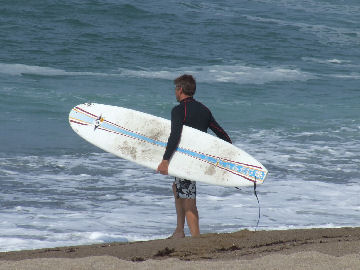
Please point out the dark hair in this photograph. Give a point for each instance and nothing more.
(187, 83)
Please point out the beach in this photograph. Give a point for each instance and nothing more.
(329, 248)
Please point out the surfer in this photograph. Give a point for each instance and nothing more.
(194, 114)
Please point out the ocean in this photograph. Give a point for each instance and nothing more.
(281, 77)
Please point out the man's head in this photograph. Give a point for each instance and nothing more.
(186, 83)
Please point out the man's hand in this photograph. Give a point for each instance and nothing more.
(163, 167)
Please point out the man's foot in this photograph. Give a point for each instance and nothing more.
(177, 235)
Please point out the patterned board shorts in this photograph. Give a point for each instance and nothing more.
(185, 189)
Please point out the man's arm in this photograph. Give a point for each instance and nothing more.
(175, 134)
(173, 141)
(218, 130)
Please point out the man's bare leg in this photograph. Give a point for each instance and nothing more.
(185, 208)
(192, 215)
(180, 214)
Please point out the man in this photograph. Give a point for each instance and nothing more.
(193, 114)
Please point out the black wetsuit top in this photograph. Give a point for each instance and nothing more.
(193, 114)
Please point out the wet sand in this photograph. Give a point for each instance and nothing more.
(288, 249)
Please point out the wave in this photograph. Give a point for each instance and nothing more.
(353, 76)
(325, 33)
(318, 7)
(21, 69)
(239, 74)
(327, 61)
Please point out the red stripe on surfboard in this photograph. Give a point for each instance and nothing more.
(251, 180)
(114, 124)
(245, 164)
(76, 122)
(93, 115)
(225, 159)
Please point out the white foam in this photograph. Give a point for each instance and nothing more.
(324, 32)
(20, 69)
(100, 198)
(353, 76)
(105, 237)
(336, 61)
(327, 61)
(236, 73)
(337, 8)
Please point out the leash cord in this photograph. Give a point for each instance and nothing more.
(257, 198)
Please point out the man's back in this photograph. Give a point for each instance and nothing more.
(193, 114)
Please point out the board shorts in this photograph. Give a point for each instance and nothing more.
(185, 189)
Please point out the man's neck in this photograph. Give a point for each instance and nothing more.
(182, 97)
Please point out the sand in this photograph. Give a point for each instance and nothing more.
(289, 249)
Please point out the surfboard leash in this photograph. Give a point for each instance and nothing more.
(257, 198)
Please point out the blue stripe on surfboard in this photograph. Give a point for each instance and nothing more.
(91, 120)
(236, 168)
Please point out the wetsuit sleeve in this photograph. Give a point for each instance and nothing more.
(175, 134)
(218, 130)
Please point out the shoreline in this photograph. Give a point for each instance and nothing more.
(246, 246)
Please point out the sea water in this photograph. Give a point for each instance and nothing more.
(281, 77)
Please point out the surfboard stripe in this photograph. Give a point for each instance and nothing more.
(80, 109)
(235, 162)
(247, 171)
(216, 165)
(77, 122)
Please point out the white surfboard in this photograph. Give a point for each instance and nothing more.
(142, 138)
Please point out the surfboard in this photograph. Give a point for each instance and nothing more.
(142, 138)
